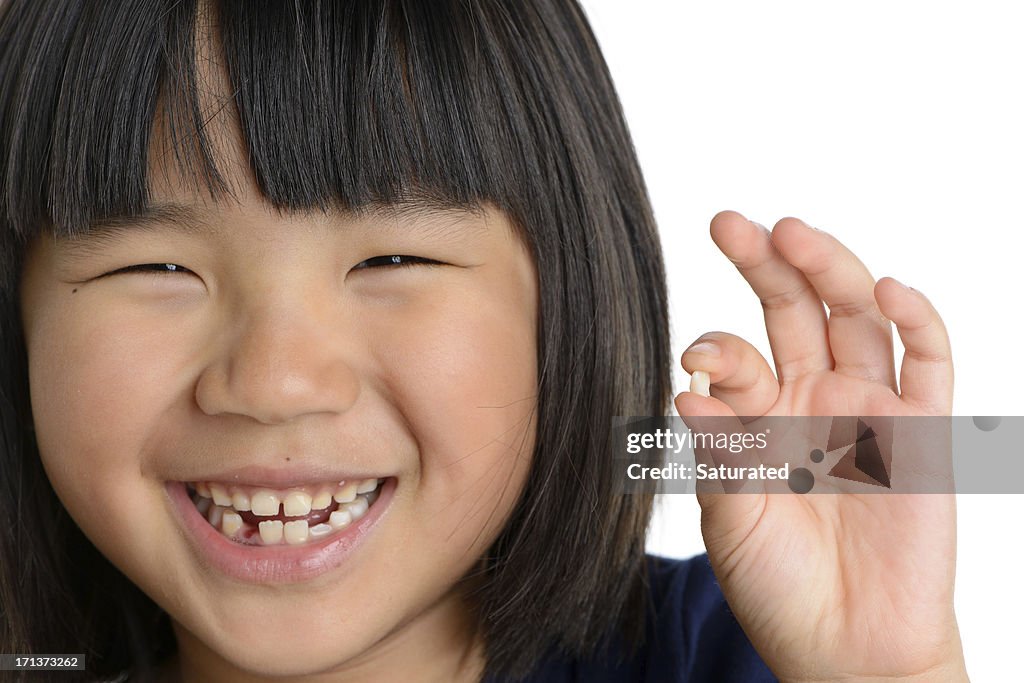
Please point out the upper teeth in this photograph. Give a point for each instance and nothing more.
(240, 501)
(346, 493)
(220, 495)
(322, 500)
(366, 486)
(297, 503)
(265, 503)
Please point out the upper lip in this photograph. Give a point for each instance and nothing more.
(276, 477)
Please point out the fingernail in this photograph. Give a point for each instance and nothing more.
(705, 347)
(700, 383)
(763, 229)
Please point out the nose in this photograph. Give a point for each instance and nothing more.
(279, 362)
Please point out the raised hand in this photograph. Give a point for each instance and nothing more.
(849, 586)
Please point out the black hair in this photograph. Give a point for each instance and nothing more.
(342, 105)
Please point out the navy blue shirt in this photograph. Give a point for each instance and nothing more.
(692, 636)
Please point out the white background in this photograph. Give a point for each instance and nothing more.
(896, 126)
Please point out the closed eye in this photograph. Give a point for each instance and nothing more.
(389, 261)
(157, 268)
(394, 260)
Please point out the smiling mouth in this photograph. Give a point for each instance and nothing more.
(267, 517)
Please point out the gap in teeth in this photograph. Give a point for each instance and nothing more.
(333, 508)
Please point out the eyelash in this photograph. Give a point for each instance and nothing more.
(151, 268)
(392, 261)
(403, 261)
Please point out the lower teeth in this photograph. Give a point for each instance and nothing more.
(275, 531)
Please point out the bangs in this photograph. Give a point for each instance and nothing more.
(338, 105)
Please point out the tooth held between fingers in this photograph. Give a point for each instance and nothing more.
(700, 383)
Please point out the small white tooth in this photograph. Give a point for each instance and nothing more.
(366, 485)
(265, 503)
(357, 508)
(296, 532)
(214, 515)
(202, 489)
(346, 493)
(231, 523)
(700, 383)
(271, 531)
(204, 506)
(240, 501)
(322, 500)
(320, 530)
(220, 495)
(340, 519)
(297, 504)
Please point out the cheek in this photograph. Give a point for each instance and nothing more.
(94, 395)
(465, 376)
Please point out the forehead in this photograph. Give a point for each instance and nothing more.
(189, 195)
(196, 141)
(179, 200)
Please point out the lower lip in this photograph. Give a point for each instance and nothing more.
(280, 563)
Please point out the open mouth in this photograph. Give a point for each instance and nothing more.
(293, 516)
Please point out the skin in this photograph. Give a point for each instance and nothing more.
(273, 349)
(831, 587)
(267, 344)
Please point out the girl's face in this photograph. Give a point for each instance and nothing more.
(281, 361)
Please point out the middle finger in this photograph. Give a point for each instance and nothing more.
(860, 337)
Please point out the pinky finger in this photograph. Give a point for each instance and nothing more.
(926, 375)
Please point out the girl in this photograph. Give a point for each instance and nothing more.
(316, 316)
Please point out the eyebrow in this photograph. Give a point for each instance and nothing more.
(429, 218)
(181, 217)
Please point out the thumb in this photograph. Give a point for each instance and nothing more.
(729, 508)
